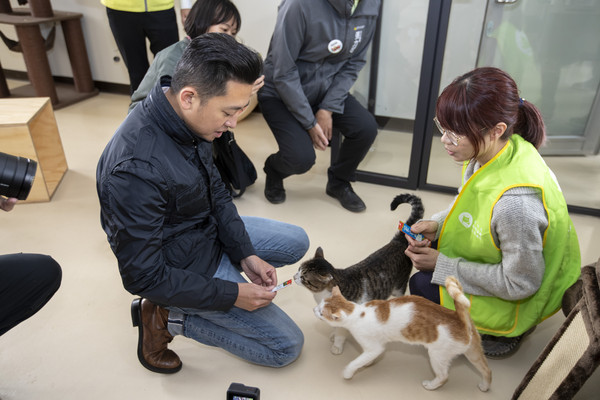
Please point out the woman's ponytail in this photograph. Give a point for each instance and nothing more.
(530, 124)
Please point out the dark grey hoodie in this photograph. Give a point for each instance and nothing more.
(317, 49)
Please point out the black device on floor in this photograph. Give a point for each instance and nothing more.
(237, 391)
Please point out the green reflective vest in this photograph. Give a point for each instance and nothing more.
(466, 233)
(138, 5)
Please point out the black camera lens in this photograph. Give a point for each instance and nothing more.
(16, 176)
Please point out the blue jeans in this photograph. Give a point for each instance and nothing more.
(266, 336)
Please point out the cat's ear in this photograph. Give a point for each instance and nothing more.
(319, 253)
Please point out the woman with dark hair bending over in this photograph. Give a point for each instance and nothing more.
(508, 236)
(206, 16)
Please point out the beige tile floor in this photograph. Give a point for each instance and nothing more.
(82, 344)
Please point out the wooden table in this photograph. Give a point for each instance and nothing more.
(28, 129)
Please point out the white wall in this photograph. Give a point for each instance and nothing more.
(402, 43)
(258, 20)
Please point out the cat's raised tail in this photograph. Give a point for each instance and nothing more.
(461, 303)
(455, 290)
(416, 203)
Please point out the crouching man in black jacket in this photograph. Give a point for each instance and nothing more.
(171, 223)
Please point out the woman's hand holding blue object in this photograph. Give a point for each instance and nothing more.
(422, 255)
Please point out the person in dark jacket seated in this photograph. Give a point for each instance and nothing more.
(172, 225)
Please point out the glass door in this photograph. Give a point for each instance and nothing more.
(550, 47)
(552, 50)
(459, 55)
(397, 76)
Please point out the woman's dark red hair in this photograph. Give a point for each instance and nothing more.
(478, 100)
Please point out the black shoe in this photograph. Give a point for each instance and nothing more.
(346, 196)
(499, 347)
(274, 191)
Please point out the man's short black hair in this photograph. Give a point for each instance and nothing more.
(213, 59)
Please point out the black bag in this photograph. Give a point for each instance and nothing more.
(237, 171)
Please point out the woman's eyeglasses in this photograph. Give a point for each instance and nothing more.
(454, 138)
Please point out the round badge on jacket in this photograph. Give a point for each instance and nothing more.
(335, 46)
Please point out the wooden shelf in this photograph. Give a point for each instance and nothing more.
(36, 60)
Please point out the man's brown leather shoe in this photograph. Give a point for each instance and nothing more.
(154, 337)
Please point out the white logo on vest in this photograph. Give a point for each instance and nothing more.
(466, 219)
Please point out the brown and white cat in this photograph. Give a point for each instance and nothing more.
(382, 274)
(413, 320)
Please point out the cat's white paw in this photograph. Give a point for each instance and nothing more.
(432, 385)
(337, 344)
(484, 386)
(337, 350)
(348, 373)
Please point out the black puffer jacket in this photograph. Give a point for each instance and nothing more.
(165, 210)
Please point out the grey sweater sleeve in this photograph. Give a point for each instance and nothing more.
(518, 224)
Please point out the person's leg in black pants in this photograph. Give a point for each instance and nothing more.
(296, 154)
(130, 30)
(420, 284)
(27, 282)
(359, 128)
(161, 29)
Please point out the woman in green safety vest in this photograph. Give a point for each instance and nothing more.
(507, 236)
